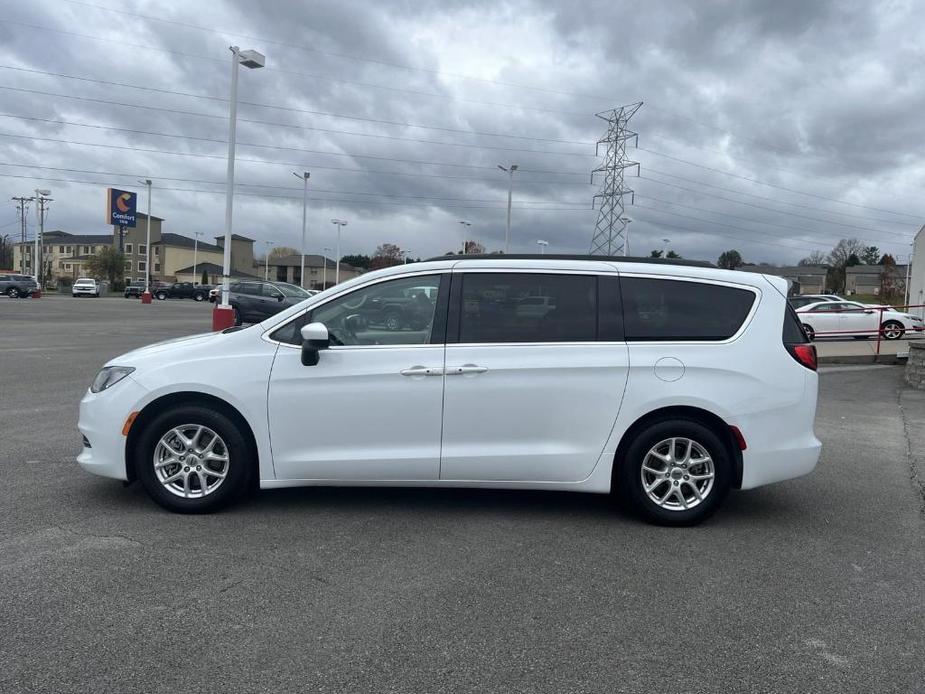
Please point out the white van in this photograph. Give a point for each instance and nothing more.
(667, 383)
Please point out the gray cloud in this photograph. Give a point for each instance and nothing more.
(821, 98)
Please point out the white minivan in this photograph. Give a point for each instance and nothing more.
(667, 383)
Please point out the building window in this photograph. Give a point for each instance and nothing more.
(157, 251)
(157, 267)
(67, 266)
(142, 249)
(128, 265)
(60, 249)
(86, 250)
(128, 248)
(141, 266)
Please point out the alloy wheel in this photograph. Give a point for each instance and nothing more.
(191, 461)
(892, 330)
(677, 474)
(12, 292)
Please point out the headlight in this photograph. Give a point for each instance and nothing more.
(109, 376)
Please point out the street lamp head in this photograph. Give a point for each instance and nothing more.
(304, 175)
(42, 191)
(513, 167)
(251, 59)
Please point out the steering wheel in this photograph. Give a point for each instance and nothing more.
(357, 303)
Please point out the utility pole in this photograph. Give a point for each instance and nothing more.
(324, 273)
(23, 206)
(266, 261)
(196, 235)
(146, 295)
(610, 231)
(466, 224)
(41, 197)
(510, 191)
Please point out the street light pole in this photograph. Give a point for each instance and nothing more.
(223, 316)
(510, 191)
(666, 242)
(324, 273)
(266, 261)
(626, 235)
(147, 299)
(542, 244)
(465, 224)
(340, 223)
(196, 235)
(304, 176)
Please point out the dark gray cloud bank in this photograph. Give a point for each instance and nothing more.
(819, 98)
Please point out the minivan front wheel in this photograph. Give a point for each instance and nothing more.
(193, 460)
(675, 472)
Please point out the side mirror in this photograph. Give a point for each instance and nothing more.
(278, 297)
(314, 339)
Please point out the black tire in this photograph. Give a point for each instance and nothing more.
(238, 318)
(198, 296)
(810, 333)
(895, 329)
(161, 296)
(241, 459)
(628, 475)
(392, 321)
(13, 293)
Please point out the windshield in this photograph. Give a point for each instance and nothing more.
(292, 290)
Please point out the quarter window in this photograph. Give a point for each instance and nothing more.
(395, 312)
(527, 307)
(657, 309)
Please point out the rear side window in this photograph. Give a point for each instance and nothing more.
(528, 307)
(793, 329)
(662, 309)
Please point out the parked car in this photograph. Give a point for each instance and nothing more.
(256, 300)
(17, 286)
(86, 286)
(849, 318)
(134, 289)
(657, 381)
(183, 290)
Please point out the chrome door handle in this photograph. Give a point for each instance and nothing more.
(465, 369)
(421, 371)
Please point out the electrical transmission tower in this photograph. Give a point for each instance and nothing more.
(23, 215)
(610, 231)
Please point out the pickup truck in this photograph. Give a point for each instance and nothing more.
(183, 290)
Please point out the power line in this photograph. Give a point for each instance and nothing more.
(324, 130)
(526, 205)
(711, 232)
(312, 49)
(120, 42)
(849, 215)
(773, 185)
(771, 209)
(287, 108)
(223, 157)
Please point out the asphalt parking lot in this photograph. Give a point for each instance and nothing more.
(813, 585)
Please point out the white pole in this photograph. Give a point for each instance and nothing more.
(196, 235)
(324, 273)
(229, 181)
(148, 241)
(304, 177)
(510, 192)
(38, 218)
(337, 257)
(266, 261)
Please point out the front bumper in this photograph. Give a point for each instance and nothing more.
(102, 416)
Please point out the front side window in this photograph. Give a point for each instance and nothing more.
(662, 309)
(395, 312)
(527, 307)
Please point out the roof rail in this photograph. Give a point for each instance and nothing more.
(567, 256)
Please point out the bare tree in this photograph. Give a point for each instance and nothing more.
(814, 258)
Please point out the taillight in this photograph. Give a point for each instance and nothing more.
(805, 354)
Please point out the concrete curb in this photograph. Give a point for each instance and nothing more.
(892, 359)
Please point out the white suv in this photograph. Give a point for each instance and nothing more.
(85, 286)
(669, 384)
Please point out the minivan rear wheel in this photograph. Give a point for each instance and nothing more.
(191, 459)
(810, 333)
(675, 472)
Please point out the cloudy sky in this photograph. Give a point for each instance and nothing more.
(774, 127)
